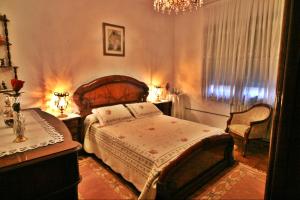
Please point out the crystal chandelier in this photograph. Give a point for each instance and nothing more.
(176, 5)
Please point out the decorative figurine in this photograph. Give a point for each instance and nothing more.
(8, 112)
(2, 63)
(4, 87)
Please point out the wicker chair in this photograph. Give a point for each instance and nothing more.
(250, 124)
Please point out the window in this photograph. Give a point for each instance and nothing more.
(241, 51)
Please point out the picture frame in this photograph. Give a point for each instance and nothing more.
(113, 40)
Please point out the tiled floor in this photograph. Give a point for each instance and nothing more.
(239, 182)
(257, 155)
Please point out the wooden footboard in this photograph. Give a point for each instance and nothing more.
(195, 167)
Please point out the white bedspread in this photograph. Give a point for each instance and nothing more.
(141, 148)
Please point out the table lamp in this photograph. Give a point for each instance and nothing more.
(61, 103)
(158, 92)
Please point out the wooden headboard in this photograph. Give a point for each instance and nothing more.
(109, 90)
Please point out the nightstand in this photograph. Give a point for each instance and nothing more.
(74, 123)
(164, 106)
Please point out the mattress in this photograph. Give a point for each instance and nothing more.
(139, 149)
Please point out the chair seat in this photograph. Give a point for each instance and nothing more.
(239, 129)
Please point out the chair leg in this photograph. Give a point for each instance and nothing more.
(245, 147)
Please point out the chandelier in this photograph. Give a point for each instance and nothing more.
(176, 5)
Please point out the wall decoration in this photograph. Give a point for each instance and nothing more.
(113, 40)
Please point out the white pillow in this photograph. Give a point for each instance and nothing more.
(109, 115)
(143, 109)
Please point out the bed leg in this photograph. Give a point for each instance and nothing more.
(229, 153)
(162, 193)
(245, 147)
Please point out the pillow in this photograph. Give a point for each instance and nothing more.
(143, 109)
(109, 115)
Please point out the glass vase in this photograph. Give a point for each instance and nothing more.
(19, 127)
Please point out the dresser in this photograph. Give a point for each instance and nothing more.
(49, 172)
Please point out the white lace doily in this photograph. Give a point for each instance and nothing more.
(38, 131)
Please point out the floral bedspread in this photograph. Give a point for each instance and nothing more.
(141, 148)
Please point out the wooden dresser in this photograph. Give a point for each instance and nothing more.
(49, 172)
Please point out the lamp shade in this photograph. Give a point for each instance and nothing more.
(61, 102)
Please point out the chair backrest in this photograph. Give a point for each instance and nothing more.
(259, 112)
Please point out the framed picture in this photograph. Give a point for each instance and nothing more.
(113, 40)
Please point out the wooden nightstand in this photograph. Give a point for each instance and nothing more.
(74, 124)
(164, 106)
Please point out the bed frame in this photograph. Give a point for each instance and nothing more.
(184, 175)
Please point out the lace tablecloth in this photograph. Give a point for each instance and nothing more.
(38, 131)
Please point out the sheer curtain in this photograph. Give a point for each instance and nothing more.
(241, 50)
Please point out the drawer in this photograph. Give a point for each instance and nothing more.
(74, 126)
(71, 123)
(76, 137)
(73, 129)
(164, 107)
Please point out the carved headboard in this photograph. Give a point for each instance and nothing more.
(109, 90)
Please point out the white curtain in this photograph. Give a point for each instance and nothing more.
(242, 50)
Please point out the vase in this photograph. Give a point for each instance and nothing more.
(19, 127)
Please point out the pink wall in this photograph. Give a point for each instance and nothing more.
(58, 43)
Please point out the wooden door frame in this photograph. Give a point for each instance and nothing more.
(283, 176)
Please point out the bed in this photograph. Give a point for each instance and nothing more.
(159, 168)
